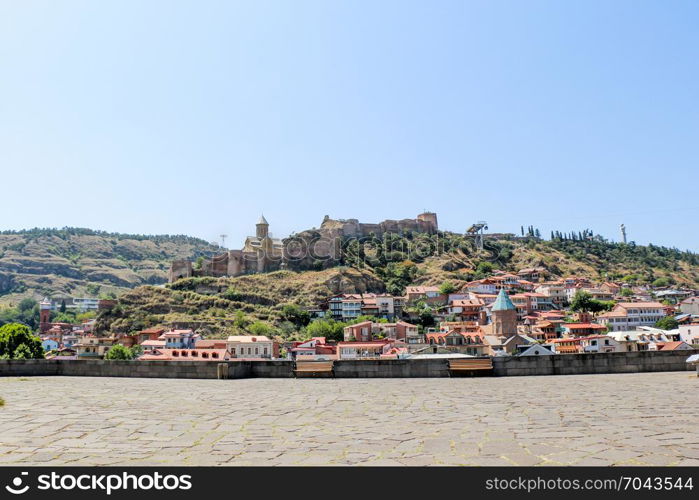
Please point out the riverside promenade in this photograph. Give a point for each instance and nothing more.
(608, 419)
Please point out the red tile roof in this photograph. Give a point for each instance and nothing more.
(584, 326)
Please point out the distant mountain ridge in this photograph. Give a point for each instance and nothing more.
(86, 262)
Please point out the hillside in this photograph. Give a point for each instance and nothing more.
(222, 305)
(255, 303)
(82, 262)
(400, 260)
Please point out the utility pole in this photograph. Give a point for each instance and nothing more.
(223, 240)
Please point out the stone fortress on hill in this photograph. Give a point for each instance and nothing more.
(424, 223)
(262, 253)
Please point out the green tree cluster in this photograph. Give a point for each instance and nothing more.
(667, 323)
(295, 314)
(119, 352)
(328, 328)
(26, 312)
(18, 342)
(584, 302)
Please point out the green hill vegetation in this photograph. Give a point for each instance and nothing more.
(264, 303)
(82, 262)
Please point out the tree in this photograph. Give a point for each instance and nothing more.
(26, 304)
(15, 335)
(363, 318)
(240, 321)
(328, 328)
(295, 314)
(64, 317)
(22, 352)
(426, 318)
(583, 302)
(26, 312)
(260, 328)
(62, 309)
(667, 323)
(119, 352)
(626, 292)
(447, 287)
(483, 269)
(199, 262)
(661, 282)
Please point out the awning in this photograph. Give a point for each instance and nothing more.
(693, 359)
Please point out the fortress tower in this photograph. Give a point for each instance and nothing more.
(504, 316)
(429, 217)
(262, 228)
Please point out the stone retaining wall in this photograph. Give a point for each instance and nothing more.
(575, 364)
(566, 364)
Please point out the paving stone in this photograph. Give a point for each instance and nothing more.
(572, 420)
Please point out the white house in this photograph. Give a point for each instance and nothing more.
(640, 340)
(482, 286)
(689, 334)
(537, 350)
(599, 343)
(250, 346)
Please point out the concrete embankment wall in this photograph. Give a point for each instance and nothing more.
(147, 369)
(568, 364)
(575, 364)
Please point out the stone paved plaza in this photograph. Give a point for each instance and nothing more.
(624, 419)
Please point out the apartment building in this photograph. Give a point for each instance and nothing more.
(347, 307)
(368, 331)
(555, 292)
(630, 315)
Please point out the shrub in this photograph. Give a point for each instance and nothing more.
(119, 352)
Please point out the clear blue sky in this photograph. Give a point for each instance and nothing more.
(192, 117)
